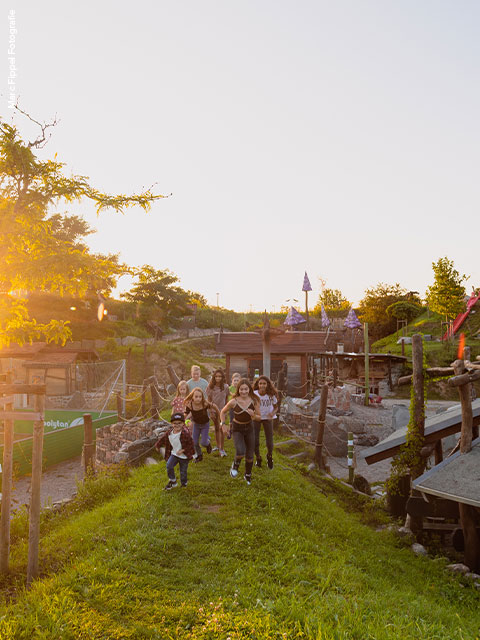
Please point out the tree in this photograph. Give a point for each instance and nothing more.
(332, 300)
(161, 302)
(404, 310)
(373, 307)
(447, 293)
(41, 249)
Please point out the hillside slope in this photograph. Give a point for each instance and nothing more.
(219, 559)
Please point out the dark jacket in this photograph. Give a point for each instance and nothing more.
(185, 440)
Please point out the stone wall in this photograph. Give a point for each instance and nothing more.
(127, 441)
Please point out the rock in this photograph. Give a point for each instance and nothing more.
(366, 440)
(405, 532)
(405, 340)
(361, 484)
(419, 549)
(472, 576)
(149, 461)
(121, 456)
(400, 416)
(459, 568)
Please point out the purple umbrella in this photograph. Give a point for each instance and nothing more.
(351, 321)
(293, 317)
(325, 318)
(306, 283)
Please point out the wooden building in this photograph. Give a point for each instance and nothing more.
(243, 352)
(52, 364)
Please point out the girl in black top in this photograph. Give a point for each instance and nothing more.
(246, 407)
(198, 409)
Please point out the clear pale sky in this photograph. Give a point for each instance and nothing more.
(338, 137)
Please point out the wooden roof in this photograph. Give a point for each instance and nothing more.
(436, 427)
(298, 342)
(43, 352)
(457, 478)
(44, 360)
(372, 356)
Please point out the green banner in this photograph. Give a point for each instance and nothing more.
(60, 419)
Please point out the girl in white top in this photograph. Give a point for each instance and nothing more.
(268, 397)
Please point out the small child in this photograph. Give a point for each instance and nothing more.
(178, 403)
(179, 449)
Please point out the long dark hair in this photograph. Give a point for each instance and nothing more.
(213, 382)
(250, 390)
(271, 391)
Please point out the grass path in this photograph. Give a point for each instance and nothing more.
(280, 559)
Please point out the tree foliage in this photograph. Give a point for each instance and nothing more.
(447, 294)
(40, 248)
(161, 302)
(373, 307)
(404, 310)
(332, 300)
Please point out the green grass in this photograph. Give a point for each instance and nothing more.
(288, 557)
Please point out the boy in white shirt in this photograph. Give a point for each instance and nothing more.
(179, 449)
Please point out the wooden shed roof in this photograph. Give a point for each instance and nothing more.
(298, 342)
(436, 427)
(43, 360)
(457, 478)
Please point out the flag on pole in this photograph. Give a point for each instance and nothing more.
(306, 283)
(351, 321)
(325, 318)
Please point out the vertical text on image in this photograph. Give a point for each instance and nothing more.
(12, 67)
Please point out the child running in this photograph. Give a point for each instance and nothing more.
(196, 380)
(178, 403)
(179, 449)
(267, 395)
(217, 393)
(246, 406)
(197, 408)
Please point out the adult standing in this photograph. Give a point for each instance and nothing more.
(217, 393)
(246, 407)
(196, 380)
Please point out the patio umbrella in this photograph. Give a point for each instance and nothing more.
(293, 318)
(325, 318)
(352, 322)
(306, 287)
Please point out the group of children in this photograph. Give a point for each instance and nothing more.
(197, 402)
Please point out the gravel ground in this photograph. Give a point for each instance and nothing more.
(379, 422)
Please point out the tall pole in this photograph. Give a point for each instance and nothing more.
(7, 471)
(306, 310)
(124, 388)
(367, 364)
(35, 504)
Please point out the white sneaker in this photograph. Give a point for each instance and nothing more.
(223, 453)
(215, 449)
(233, 471)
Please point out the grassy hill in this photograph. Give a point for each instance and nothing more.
(289, 557)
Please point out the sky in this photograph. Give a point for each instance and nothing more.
(340, 138)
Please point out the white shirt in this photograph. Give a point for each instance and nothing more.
(267, 405)
(176, 444)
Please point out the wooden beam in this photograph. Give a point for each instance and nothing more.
(464, 378)
(35, 504)
(29, 416)
(16, 389)
(7, 480)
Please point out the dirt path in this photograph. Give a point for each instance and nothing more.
(58, 482)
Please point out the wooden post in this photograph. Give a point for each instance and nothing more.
(351, 470)
(35, 504)
(7, 472)
(465, 393)
(155, 398)
(438, 451)
(470, 536)
(88, 444)
(144, 408)
(321, 427)
(335, 372)
(367, 364)
(266, 348)
(418, 396)
(307, 326)
(119, 405)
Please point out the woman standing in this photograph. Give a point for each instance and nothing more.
(246, 407)
(217, 393)
(197, 408)
(268, 397)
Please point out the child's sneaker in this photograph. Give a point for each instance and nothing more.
(248, 478)
(209, 448)
(184, 484)
(223, 453)
(198, 459)
(270, 462)
(233, 471)
(214, 449)
(171, 485)
(258, 462)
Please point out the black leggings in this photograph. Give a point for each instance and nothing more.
(244, 440)
(268, 428)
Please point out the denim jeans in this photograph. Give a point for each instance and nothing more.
(183, 462)
(244, 441)
(268, 428)
(200, 433)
